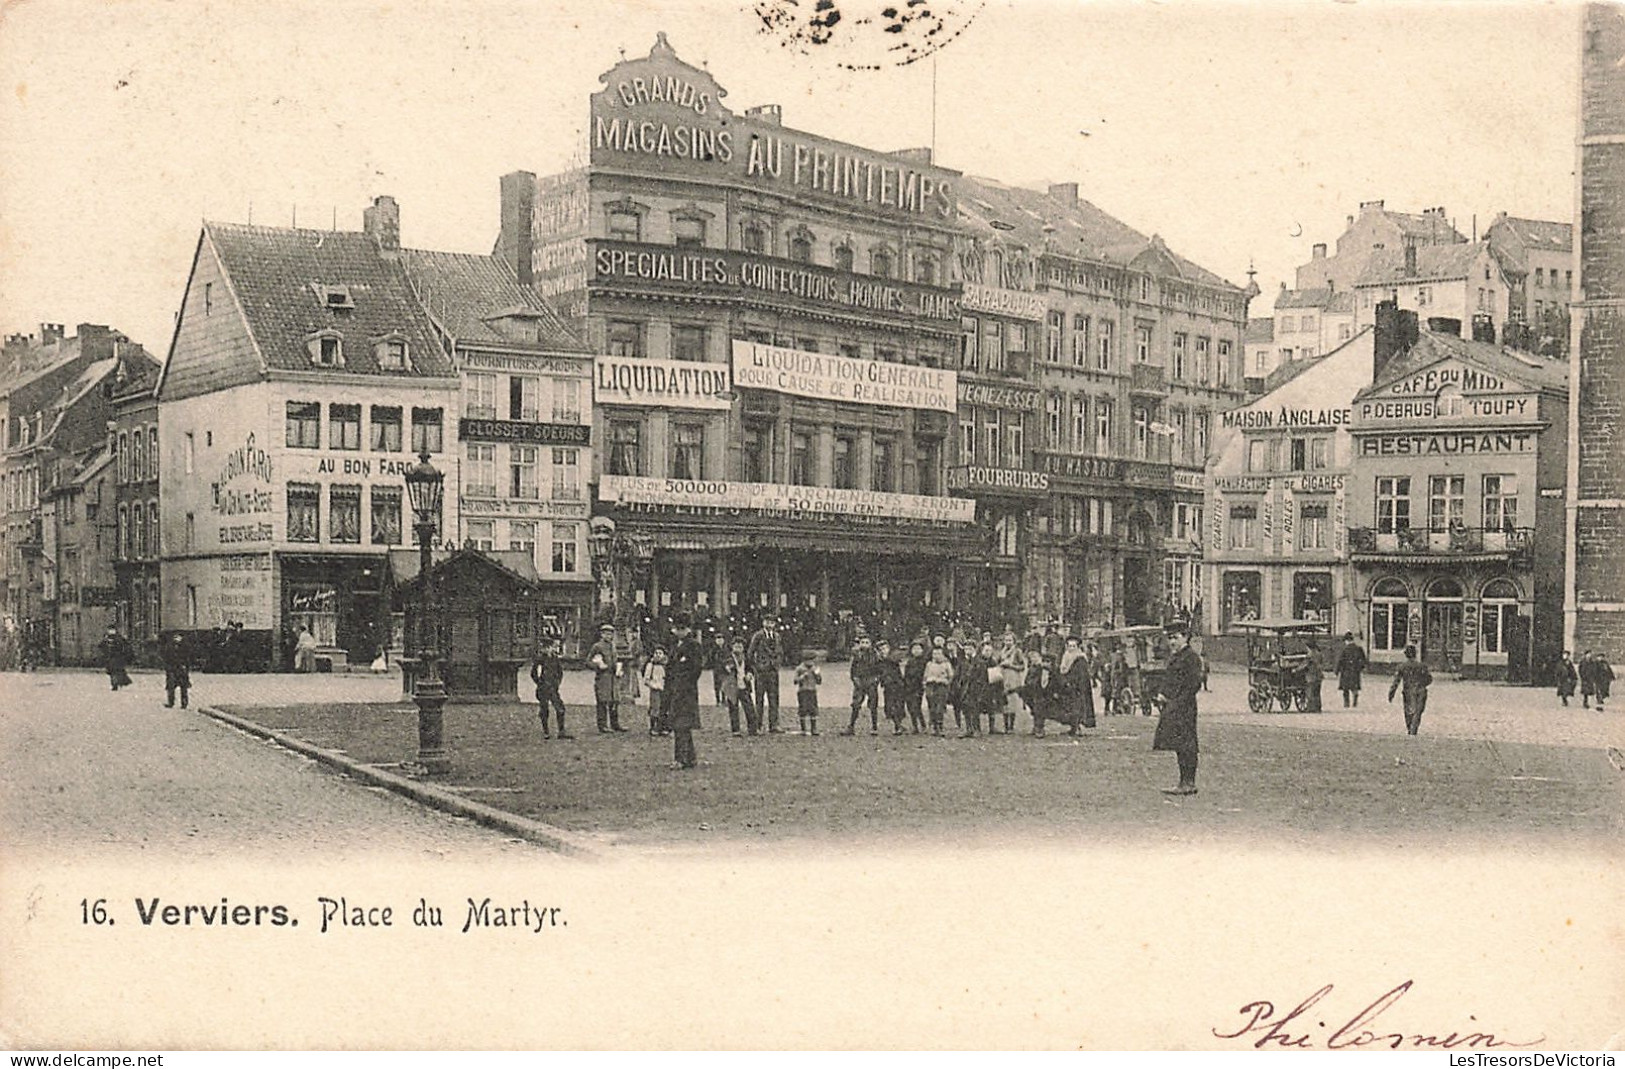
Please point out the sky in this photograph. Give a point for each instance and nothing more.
(1242, 132)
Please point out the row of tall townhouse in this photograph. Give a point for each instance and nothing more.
(844, 385)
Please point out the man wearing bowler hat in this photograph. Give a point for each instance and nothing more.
(683, 668)
(764, 655)
(1176, 730)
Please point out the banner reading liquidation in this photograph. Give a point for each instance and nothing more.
(842, 378)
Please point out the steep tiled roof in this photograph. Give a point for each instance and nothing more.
(478, 299)
(1310, 298)
(276, 272)
(1435, 228)
(1431, 347)
(1078, 229)
(1341, 303)
(1539, 233)
(1433, 263)
(1258, 330)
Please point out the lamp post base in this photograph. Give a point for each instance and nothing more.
(430, 698)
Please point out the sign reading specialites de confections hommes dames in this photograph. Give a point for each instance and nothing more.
(776, 498)
(631, 380)
(828, 377)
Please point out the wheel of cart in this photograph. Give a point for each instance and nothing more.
(1144, 651)
(1276, 655)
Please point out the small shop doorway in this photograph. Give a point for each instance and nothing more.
(1442, 625)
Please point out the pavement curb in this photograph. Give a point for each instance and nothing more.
(535, 831)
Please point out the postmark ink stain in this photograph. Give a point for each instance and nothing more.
(866, 36)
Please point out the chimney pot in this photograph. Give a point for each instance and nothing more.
(382, 222)
(771, 114)
(1318, 250)
(1065, 192)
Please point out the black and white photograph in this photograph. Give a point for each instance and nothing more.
(812, 525)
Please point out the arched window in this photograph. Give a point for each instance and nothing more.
(1444, 589)
(880, 263)
(1499, 618)
(1390, 614)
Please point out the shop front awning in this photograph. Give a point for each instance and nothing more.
(1430, 559)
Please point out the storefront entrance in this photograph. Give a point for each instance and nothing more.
(1442, 638)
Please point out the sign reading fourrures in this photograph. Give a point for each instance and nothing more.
(840, 378)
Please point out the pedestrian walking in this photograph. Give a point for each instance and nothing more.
(914, 686)
(654, 681)
(718, 659)
(1415, 678)
(114, 649)
(1602, 678)
(177, 670)
(1313, 674)
(765, 654)
(605, 667)
(304, 651)
(682, 696)
(1588, 679)
(1351, 664)
(1080, 691)
(937, 679)
(865, 673)
(1176, 728)
(1567, 678)
(547, 672)
(807, 678)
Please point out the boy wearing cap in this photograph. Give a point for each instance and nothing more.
(547, 672)
(605, 668)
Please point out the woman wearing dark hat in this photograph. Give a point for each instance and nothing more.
(1176, 729)
(1350, 664)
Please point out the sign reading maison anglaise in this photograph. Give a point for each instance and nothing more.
(841, 378)
(659, 113)
(778, 499)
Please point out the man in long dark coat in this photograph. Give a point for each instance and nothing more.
(1415, 678)
(177, 670)
(765, 653)
(115, 651)
(1350, 665)
(1176, 730)
(683, 667)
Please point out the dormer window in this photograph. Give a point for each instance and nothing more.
(753, 237)
(390, 352)
(842, 255)
(335, 297)
(326, 349)
(801, 245)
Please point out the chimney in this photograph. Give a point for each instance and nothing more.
(1444, 325)
(51, 333)
(1371, 205)
(1484, 329)
(1065, 192)
(771, 114)
(1395, 333)
(913, 155)
(1410, 257)
(1350, 220)
(382, 222)
(1317, 251)
(517, 241)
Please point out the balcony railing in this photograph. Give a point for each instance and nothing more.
(1148, 379)
(1442, 541)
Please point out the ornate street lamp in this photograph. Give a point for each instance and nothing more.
(424, 485)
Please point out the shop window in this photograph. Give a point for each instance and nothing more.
(625, 447)
(426, 430)
(304, 425)
(566, 474)
(687, 342)
(687, 451)
(344, 513)
(386, 429)
(1312, 595)
(1243, 596)
(386, 515)
(522, 464)
(344, 426)
(1393, 503)
(1390, 615)
(564, 548)
(304, 512)
(1499, 616)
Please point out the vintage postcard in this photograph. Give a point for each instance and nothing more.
(812, 524)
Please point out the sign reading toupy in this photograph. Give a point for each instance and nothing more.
(629, 380)
(841, 378)
(775, 498)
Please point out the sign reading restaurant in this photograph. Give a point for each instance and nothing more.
(779, 499)
(1415, 445)
(842, 378)
(630, 380)
(735, 273)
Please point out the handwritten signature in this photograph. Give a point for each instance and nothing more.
(1361, 1030)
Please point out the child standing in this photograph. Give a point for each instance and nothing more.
(807, 679)
(891, 686)
(938, 677)
(654, 679)
(736, 680)
(914, 685)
